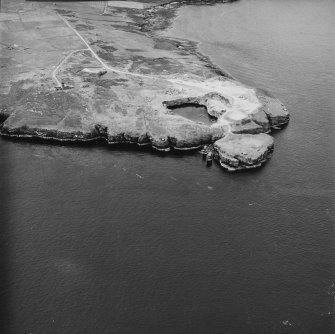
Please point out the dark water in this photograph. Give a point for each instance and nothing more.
(194, 113)
(101, 240)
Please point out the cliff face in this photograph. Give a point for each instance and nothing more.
(236, 151)
(121, 85)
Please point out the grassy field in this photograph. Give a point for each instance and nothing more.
(51, 57)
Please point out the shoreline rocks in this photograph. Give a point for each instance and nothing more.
(133, 105)
(237, 151)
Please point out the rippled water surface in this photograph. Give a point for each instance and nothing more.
(108, 240)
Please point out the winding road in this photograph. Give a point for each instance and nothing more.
(109, 68)
(54, 72)
(202, 85)
(104, 65)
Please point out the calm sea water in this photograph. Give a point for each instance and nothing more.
(108, 240)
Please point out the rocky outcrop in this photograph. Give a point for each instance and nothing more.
(275, 111)
(237, 151)
(125, 86)
(271, 114)
(249, 127)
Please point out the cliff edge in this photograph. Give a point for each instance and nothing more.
(80, 72)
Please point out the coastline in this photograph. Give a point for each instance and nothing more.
(152, 125)
(124, 238)
(155, 22)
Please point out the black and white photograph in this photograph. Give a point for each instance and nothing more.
(167, 167)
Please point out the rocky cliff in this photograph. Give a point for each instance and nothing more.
(123, 84)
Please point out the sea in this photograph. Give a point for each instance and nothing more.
(119, 239)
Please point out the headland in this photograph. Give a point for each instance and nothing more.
(100, 70)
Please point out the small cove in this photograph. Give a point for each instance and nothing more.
(193, 112)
